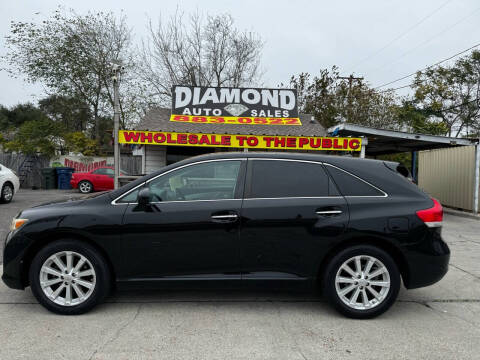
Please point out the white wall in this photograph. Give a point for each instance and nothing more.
(155, 158)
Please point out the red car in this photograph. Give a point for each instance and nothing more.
(96, 180)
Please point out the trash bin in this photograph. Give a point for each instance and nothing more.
(64, 174)
(49, 178)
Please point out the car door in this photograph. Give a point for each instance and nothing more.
(292, 213)
(100, 179)
(190, 229)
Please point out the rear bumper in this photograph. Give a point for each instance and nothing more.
(427, 261)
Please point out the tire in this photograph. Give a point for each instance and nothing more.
(337, 280)
(56, 300)
(85, 186)
(7, 193)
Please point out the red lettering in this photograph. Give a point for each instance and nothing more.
(131, 136)
(315, 143)
(204, 140)
(291, 142)
(170, 140)
(302, 141)
(336, 145)
(252, 141)
(192, 139)
(182, 138)
(268, 141)
(215, 141)
(146, 136)
(327, 143)
(354, 144)
(241, 139)
(159, 138)
(279, 142)
(225, 140)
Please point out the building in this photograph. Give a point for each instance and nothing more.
(158, 119)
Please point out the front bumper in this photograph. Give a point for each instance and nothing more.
(13, 255)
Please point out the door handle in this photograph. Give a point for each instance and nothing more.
(224, 218)
(328, 212)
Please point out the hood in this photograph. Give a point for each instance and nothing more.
(72, 200)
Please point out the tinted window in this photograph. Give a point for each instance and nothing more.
(206, 181)
(103, 171)
(350, 185)
(275, 178)
(130, 198)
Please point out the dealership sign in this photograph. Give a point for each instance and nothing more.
(239, 141)
(234, 105)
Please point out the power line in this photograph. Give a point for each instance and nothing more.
(401, 35)
(430, 39)
(428, 67)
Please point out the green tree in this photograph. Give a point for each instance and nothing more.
(37, 136)
(72, 55)
(71, 112)
(451, 95)
(331, 100)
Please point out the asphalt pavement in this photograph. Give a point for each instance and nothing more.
(437, 322)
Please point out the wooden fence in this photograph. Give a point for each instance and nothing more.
(28, 167)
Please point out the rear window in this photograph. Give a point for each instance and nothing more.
(351, 185)
(277, 178)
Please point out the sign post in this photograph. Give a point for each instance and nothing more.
(116, 125)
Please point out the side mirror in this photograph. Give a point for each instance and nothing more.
(144, 196)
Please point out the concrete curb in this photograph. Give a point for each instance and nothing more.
(460, 213)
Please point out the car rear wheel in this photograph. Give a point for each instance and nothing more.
(69, 277)
(85, 186)
(362, 281)
(7, 193)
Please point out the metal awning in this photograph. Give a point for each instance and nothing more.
(382, 142)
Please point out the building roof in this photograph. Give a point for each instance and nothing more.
(382, 141)
(158, 119)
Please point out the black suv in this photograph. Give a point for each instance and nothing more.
(353, 227)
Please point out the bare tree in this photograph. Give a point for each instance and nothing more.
(207, 52)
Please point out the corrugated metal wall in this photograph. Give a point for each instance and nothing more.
(448, 175)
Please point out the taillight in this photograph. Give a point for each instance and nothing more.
(433, 216)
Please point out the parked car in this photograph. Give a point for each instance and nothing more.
(9, 184)
(353, 227)
(99, 179)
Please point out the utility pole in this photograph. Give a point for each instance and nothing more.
(116, 68)
(350, 79)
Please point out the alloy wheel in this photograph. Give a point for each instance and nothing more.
(7, 193)
(85, 187)
(67, 278)
(362, 282)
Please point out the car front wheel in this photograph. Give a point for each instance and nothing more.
(7, 193)
(69, 277)
(362, 281)
(85, 187)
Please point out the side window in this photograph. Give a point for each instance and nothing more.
(213, 180)
(130, 198)
(100, 171)
(277, 178)
(109, 171)
(352, 186)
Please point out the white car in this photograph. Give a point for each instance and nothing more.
(9, 184)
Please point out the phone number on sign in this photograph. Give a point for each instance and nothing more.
(235, 120)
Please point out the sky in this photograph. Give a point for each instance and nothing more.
(376, 39)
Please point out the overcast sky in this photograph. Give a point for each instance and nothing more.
(300, 36)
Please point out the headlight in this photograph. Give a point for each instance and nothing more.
(17, 224)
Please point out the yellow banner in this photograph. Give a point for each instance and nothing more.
(239, 141)
(234, 120)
